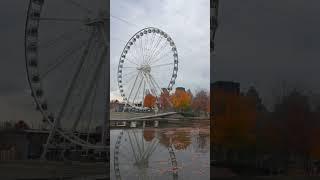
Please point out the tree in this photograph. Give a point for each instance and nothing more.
(181, 100)
(164, 99)
(149, 100)
(21, 125)
(293, 115)
(234, 122)
(201, 102)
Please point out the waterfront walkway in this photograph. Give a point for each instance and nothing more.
(36, 169)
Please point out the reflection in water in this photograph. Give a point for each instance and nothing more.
(163, 153)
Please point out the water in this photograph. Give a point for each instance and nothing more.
(177, 151)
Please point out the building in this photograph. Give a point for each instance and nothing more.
(180, 89)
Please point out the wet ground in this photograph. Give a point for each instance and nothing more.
(177, 151)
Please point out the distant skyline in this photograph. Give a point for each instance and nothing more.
(187, 22)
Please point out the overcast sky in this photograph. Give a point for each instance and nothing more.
(265, 43)
(186, 21)
(258, 43)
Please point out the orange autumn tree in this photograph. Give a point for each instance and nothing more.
(149, 101)
(315, 134)
(234, 117)
(181, 100)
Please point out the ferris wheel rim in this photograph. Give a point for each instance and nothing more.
(125, 50)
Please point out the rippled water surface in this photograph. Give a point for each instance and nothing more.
(179, 151)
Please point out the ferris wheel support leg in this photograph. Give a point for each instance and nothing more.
(66, 100)
(105, 32)
(168, 100)
(89, 91)
(134, 85)
(146, 80)
(155, 84)
(137, 90)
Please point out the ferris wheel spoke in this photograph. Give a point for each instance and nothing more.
(124, 147)
(154, 49)
(143, 94)
(131, 61)
(152, 79)
(133, 85)
(156, 59)
(91, 113)
(129, 73)
(134, 56)
(161, 43)
(148, 84)
(89, 89)
(149, 149)
(151, 47)
(64, 36)
(129, 159)
(133, 149)
(164, 59)
(141, 50)
(58, 19)
(129, 80)
(155, 146)
(151, 89)
(75, 77)
(138, 51)
(129, 67)
(146, 46)
(142, 140)
(152, 150)
(153, 85)
(138, 145)
(89, 11)
(159, 65)
(152, 41)
(157, 53)
(62, 59)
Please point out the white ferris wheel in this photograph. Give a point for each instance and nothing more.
(148, 65)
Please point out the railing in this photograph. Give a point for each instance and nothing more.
(7, 154)
(5, 125)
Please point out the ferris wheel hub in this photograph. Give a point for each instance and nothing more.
(144, 68)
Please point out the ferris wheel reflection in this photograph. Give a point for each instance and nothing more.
(141, 154)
